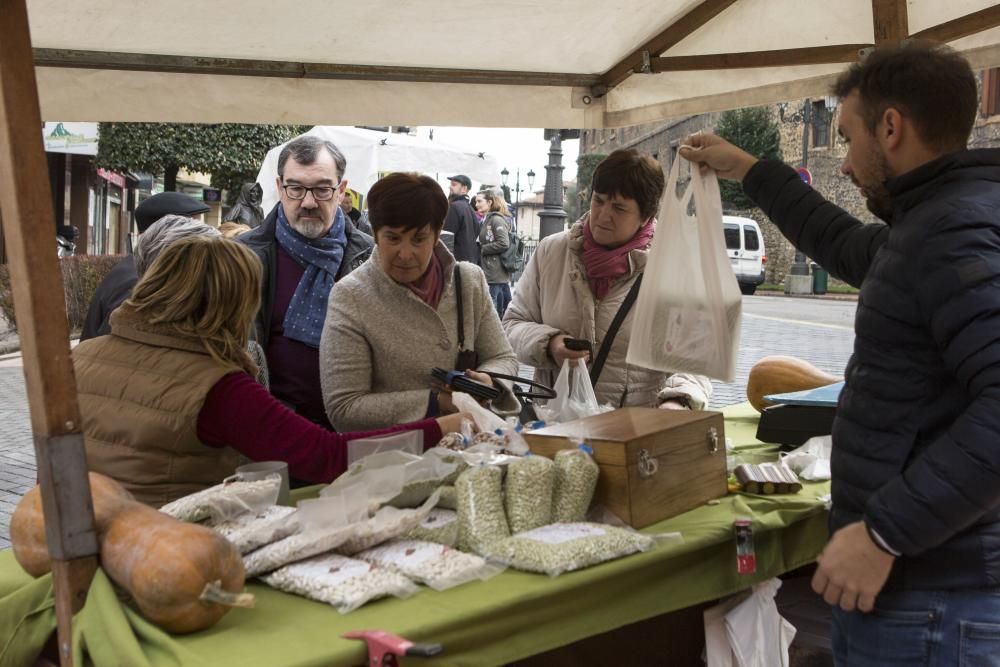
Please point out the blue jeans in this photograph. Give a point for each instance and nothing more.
(953, 628)
(500, 293)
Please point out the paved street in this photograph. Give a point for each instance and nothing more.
(816, 330)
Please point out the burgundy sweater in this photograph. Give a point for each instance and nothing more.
(239, 413)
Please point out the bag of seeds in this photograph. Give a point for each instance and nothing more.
(388, 522)
(440, 526)
(343, 582)
(528, 493)
(481, 517)
(564, 547)
(226, 500)
(435, 565)
(253, 530)
(575, 480)
(325, 524)
(448, 500)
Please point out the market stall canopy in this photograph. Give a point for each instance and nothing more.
(370, 153)
(504, 63)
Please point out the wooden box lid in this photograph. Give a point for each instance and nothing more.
(617, 435)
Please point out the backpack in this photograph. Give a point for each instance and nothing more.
(512, 259)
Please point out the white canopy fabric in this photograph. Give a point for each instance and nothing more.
(370, 153)
(574, 41)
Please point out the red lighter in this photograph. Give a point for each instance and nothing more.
(746, 559)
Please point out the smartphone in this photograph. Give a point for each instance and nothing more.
(577, 344)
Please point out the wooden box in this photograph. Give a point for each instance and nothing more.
(655, 464)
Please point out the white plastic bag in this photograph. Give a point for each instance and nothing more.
(748, 631)
(811, 460)
(687, 315)
(575, 396)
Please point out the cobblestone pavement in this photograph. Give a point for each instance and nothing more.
(826, 346)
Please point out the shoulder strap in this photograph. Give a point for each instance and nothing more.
(461, 313)
(616, 324)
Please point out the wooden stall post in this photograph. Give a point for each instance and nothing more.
(26, 202)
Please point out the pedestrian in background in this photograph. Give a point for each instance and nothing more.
(494, 240)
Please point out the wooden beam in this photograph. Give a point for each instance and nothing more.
(963, 26)
(890, 22)
(26, 201)
(151, 62)
(674, 33)
(816, 55)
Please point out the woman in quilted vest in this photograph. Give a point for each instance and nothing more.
(169, 398)
(577, 280)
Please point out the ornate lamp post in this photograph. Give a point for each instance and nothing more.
(553, 217)
(516, 198)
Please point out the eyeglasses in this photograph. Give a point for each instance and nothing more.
(319, 192)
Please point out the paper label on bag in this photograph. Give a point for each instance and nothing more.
(410, 552)
(439, 518)
(331, 570)
(558, 533)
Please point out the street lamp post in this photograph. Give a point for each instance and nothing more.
(516, 198)
(553, 216)
(797, 281)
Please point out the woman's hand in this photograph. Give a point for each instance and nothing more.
(453, 423)
(481, 378)
(560, 353)
(674, 404)
(445, 406)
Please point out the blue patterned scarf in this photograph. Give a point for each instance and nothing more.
(321, 260)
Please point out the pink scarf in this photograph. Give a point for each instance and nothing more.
(428, 286)
(605, 265)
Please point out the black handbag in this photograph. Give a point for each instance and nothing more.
(466, 358)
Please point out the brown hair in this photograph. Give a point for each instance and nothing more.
(930, 84)
(497, 202)
(407, 201)
(230, 229)
(207, 289)
(633, 175)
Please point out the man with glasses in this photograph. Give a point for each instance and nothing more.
(306, 244)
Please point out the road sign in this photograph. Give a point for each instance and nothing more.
(805, 175)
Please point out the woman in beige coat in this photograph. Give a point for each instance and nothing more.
(396, 317)
(576, 281)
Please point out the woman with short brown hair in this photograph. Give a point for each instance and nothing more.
(403, 313)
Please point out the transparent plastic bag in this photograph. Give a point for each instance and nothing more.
(434, 565)
(345, 583)
(252, 530)
(388, 522)
(226, 500)
(528, 493)
(564, 547)
(689, 306)
(575, 397)
(440, 526)
(481, 517)
(406, 441)
(576, 476)
(325, 524)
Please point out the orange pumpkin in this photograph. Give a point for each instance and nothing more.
(779, 374)
(27, 525)
(183, 577)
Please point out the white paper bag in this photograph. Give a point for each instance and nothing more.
(687, 315)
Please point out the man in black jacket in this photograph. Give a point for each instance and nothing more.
(118, 283)
(306, 244)
(916, 441)
(461, 229)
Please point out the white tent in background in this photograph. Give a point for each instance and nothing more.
(370, 153)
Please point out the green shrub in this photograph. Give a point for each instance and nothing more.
(6, 297)
(81, 274)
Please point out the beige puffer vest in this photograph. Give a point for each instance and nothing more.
(141, 390)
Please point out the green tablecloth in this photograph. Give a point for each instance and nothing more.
(512, 616)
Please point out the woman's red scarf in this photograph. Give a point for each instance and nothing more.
(605, 265)
(428, 286)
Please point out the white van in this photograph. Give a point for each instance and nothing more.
(745, 247)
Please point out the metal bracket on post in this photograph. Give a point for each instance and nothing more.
(647, 67)
(69, 526)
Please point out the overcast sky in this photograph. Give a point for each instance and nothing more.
(513, 148)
